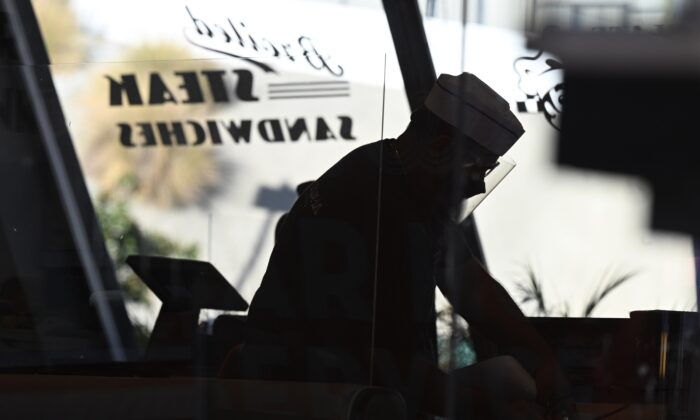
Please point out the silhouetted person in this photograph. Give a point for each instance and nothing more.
(349, 291)
(300, 190)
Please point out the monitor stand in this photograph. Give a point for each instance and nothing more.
(185, 287)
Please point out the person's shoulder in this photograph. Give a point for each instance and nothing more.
(368, 151)
(366, 156)
(351, 178)
(359, 158)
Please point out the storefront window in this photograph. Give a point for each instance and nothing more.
(328, 209)
(200, 127)
(580, 244)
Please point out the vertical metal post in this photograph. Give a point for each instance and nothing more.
(418, 71)
(412, 49)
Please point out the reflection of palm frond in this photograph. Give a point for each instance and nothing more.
(600, 294)
(164, 176)
(532, 291)
(61, 30)
(455, 346)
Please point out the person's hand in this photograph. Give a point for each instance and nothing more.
(496, 408)
(520, 410)
(476, 403)
(553, 392)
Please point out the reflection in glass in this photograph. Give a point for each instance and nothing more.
(494, 176)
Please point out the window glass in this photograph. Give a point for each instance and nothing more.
(195, 124)
(574, 248)
(576, 233)
(267, 209)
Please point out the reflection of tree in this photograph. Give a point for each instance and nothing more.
(531, 292)
(60, 30)
(165, 176)
(455, 339)
(454, 342)
(124, 237)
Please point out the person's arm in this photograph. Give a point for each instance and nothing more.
(486, 305)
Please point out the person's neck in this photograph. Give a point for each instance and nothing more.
(410, 147)
(406, 144)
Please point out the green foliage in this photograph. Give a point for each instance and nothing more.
(462, 352)
(454, 345)
(124, 237)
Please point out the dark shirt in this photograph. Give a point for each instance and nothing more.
(350, 272)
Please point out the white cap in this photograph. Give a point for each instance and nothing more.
(476, 110)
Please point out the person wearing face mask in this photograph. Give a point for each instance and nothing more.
(349, 291)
